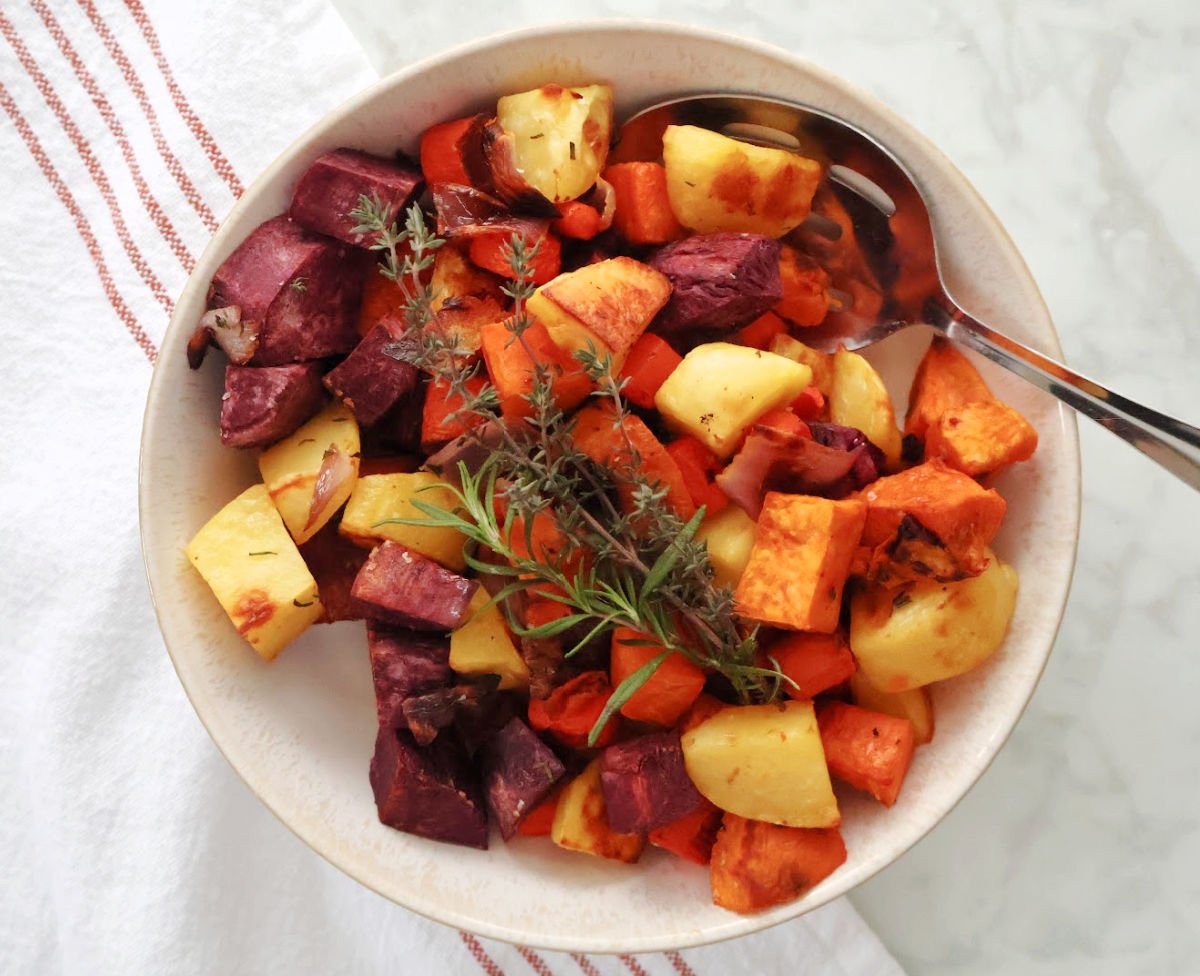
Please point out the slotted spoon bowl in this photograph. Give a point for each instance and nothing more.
(893, 232)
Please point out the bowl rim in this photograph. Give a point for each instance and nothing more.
(739, 924)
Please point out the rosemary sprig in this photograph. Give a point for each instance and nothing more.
(633, 563)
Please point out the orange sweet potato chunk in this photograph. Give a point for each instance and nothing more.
(801, 557)
(756, 865)
(598, 436)
(805, 288)
(962, 516)
(869, 750)
(945, 379)
(981, 437)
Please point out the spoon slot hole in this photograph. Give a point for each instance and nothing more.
(866, 188)
(761, 135)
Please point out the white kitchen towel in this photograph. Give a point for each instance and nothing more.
(127, 843)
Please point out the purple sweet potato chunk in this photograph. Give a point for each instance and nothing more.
(428, 791)
(718, 281)
(518, 771)
(404, 664)
(334, 562)
(330, 189)
(297, 291)
(263, 404)
(404, 588)
(646, 784)
(428, 713)
(369, 380)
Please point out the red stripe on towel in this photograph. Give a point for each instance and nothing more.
(680, 964)
(203, 136)
(81, 223)
(476, 948)
(536, 962)
(174, 166)
(90, 161)
(153, 208)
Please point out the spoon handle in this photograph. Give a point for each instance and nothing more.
(1172, 443)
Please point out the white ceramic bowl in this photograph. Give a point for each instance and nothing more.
(300, 731)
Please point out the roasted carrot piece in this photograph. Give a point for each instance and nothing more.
(869, 750)
(437, 423)
(598, 436)
(577, 220)
(383, 302)
(644, 214)
(810, 404)
(703, 708)
(805, 299)
(670, 691)
(691, 836)
(784, 420)
(945, 378)
(650, 361)
(699, 466)
(816, 662)
(510, 363)
(761, 331)
(492, 251)
(537, 822)
(756, 865)
(442, 152)
(573, 708)
(982, 437)
(538, 613)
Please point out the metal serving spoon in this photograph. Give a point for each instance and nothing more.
(870, 227)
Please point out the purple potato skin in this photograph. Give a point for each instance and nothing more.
(406, 589)
(369, 380)
(519, 771)
(263, 404)
(404, 664)
(429, 791)
(646, 784)
(331, 187)
(718, 282)
(301, 291)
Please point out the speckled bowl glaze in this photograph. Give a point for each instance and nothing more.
(300, 731)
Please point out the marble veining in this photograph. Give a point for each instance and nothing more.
(1079, 851)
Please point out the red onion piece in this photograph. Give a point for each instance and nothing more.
(336, 470)
(464, 212)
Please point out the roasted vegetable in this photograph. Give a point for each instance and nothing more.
(644, 214)
(735, 758)
(333, 185)
(581, 821)
(519, 771)
(718, 281)
(869, 750)
(982, 437)
(379, 499)
(945, 379)
(801, 558)
(370, 381)
(404, 588)
(645, 784)
(904, 638)
(256, 573)
(720, 389)
(720, 184)
(483, 645)
(729, 537)
(311, 473)
(670, 690)
(263, 404)
(814, 663)
(404, 664)
(860, 400)
(915, 704)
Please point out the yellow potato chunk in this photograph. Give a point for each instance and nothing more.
(763, 762)
(483, 645)
(859, 399)
(915, 704)
(715, 183)
(606, 305)
(905, 638)
(720, 389)
(256, 572)
(379, 497)
(290, 468)
(803, 547)
(581, 821)
(821, 363)
(454, 277)
(729, 536)
(562, 136)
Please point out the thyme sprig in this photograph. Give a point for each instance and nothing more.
(628, 560)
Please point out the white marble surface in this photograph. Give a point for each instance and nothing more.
(1079, 851)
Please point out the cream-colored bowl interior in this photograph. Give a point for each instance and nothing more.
(300, 731)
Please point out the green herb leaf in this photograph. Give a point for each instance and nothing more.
(623, 692)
